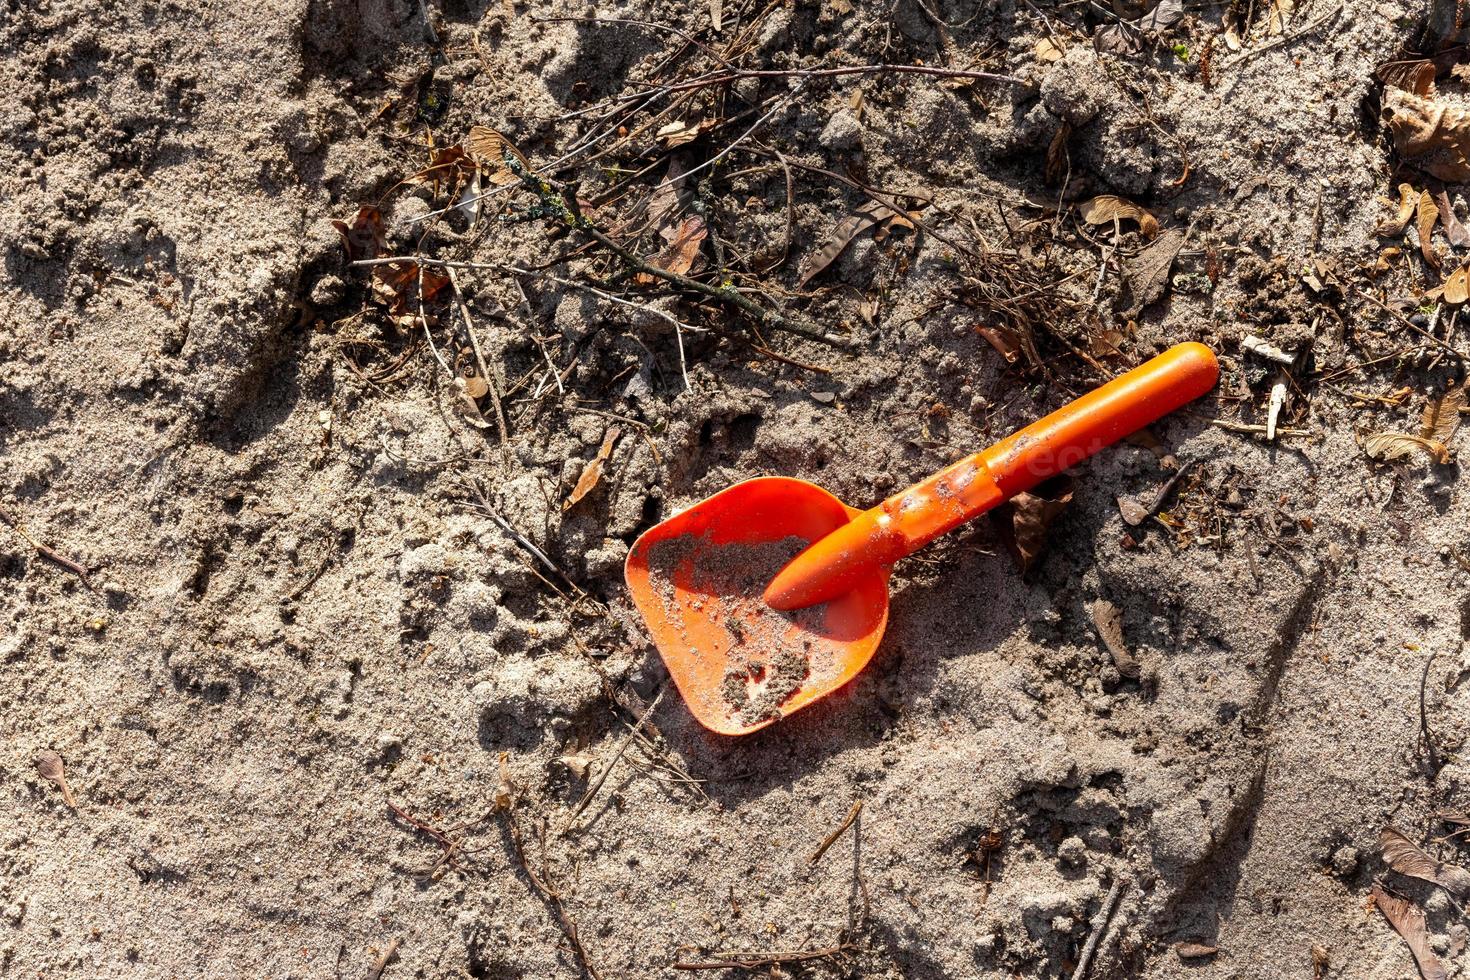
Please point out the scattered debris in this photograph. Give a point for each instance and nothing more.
(592, 790)
(1136, 512)
(1407, 920)
(1407, 858)
(1274, 405)
(592, 472)
(50, 766)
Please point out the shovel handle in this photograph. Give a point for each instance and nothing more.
(963, 491)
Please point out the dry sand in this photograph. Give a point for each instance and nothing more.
(301, 615)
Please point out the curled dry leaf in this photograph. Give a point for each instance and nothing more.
(678, 133)
(1408, 859)
(1389, 446)
(1056, 155)
(397, 286)
(679, 256)
(1453, 230)
(505, 790)
(1107, 208)
(491, 151)
(1023, 521)
(1442, 416)
(592, 472)
(1428, 217)
(1407, 920)
(1394, 226)
(1108, 619)
(1386, 260)
(1007, 343)
(363, 238)
(578, 764)
(50, 766)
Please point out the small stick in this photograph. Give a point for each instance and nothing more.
(1099, 923)
(754, 961)
(382, 963)
(1243, 427)
(1287, 38)
(74, 567)
(1424, 723)
(602, 777)
(832, 837)
(551, 896)
(469, 326)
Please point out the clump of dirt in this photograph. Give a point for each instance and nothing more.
(769, 650)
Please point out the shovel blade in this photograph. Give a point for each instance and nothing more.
(697, 579)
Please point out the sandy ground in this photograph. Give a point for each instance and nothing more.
(303, 615)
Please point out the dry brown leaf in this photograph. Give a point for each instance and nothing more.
(678, 133)
(1024, 520)
(1394, 227)
(1442, 416)
(1389, 446)
(1407, 858)
(1433, 136)
(1146, 275)
(1280, 17)
(1048, 50)
(490, 150)
(1407, 920)
(50, 766)
(1232, 40)
(1455, 289)
(1428, 218)
(396, 286)
(1415, 75)
(842, 236)
(1107, 208)
(363, 238)
(592, 472)
(1108, 619)
(680, 254)
(1453, 230)
(1195, 951)
(1007, 342)
(578, 763)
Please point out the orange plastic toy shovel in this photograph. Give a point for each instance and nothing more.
(774, 593)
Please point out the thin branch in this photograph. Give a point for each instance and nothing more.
(592, 790)
(847, 821)
(76, 568)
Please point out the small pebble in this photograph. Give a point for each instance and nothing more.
(825, 397)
